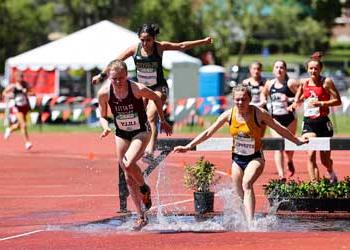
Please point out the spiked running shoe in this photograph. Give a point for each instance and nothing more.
(28, 145)
(140, 223)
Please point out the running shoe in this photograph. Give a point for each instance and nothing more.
(7, 133)
(28, 145)
(333, 178)
(282, 179)
(146, 199)
(291, 169)
(140, 223)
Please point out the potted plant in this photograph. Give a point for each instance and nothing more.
(199, 177)
(309, 196)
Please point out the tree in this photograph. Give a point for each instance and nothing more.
(277, 22)
(76, 14)
(324, 11)
(310, 36)
(178, 22)
(23, 25)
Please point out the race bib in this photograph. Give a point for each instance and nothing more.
(255, 95)
(311, 111)
(279, 108)
(244, 146)
(128, 122)
(279, 103)
(21, 100)
(147, 76)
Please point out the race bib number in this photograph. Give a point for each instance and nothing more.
(244, 146)
(311, 111)
(147, 76)
(128, 122)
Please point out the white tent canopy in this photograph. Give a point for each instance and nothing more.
(92, 47)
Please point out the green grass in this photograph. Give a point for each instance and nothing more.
(268, 61)
(340, 123)
(333, 56)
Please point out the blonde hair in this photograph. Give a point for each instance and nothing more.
(242, 88)
(117, 65)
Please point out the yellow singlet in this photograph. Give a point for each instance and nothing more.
(246, 135)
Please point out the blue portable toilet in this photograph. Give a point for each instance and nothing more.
(211, 80)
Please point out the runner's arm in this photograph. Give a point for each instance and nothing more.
(220, 121)
(8, 90)
(275, 125)
(103, 106)
(335, 96)
(123, 56)
(164, 45)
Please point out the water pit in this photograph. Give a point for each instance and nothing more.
(214, 223)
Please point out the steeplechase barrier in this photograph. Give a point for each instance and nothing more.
(165, 146)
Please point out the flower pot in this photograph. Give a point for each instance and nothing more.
(203, 202)
(311, 204)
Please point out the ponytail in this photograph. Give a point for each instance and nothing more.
(315, 57)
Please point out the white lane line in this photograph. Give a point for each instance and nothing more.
(172, 204)
(71, 196)
(58, 155)
(21, 235)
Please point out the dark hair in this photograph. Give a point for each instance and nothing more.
(150, 28)
(259, 64)
(285, 66)
(315, 57)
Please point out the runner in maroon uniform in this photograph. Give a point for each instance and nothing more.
(19, 93)
(318, 94)
(132, 129)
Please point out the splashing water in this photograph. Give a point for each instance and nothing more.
(233, 214)
(232, 218)
(161, 178)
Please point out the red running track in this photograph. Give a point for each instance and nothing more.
(70, 179)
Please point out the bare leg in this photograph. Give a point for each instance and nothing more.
(137, 183)
(327, 162)
(237, 176)
(311, 161)
(293, 128)
(153, 120)
(14, 127)
(278, 157)
(251, 174)
(23, 125)
(134, 192)
(133, 154)
(132, 173)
